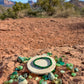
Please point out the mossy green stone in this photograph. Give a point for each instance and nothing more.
(12, 76)
(6, 82)
(56, 75)
(20, 67)
(73, 74)
(10, 81)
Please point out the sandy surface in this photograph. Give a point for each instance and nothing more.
(32, 36)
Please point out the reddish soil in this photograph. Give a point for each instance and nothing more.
(31, 36)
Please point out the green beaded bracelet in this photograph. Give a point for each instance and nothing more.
(42, 67)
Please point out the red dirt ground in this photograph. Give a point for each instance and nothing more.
(32, 36)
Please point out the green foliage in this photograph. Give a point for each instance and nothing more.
(43, 8)
(16, 11)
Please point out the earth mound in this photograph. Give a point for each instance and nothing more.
(28, 37)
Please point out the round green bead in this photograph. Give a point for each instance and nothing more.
(67, 65)
(73, 74)
(56, 75)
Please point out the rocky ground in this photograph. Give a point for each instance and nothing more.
(31, 36)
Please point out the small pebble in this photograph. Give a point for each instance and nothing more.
(62, 71)
(51, 76)
(58, 81)
(22, 80)
(25, 75)
(36, 78)
(30, 77)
